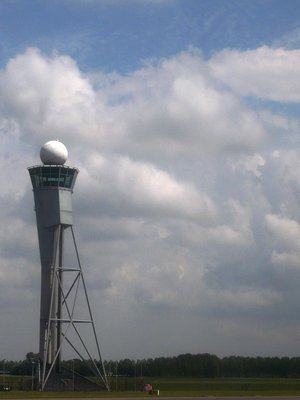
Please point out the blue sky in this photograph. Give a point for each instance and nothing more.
(183, 119)
(116, 35)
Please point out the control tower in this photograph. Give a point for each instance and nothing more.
(53, 184)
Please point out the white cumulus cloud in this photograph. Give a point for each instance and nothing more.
(266, 73)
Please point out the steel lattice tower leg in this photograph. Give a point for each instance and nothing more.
(61, 315)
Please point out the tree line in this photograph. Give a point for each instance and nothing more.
(209, 366)
(184, 365)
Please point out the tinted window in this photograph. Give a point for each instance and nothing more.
(53, 176)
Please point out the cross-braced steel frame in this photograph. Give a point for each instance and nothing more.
(61, 320)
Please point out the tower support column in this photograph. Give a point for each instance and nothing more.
(53, 185)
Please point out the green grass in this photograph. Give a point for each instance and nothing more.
(176, 387)
(227, 386)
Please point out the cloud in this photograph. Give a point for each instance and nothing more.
(289, 40)
(143, 189)
(46, 96)
(284, 230)
(187, 199)
(265, 73)
(171, 107)
(167, 110)
(252, 164)
(285, 260)
(286, 235)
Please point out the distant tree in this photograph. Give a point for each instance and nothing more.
(189, 365)
(22, 368)
(32, 356)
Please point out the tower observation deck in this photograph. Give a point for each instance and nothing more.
(53, 184)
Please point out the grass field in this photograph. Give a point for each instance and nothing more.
(196, 387)
(130, 387)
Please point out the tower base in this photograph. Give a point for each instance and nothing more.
(71, 381)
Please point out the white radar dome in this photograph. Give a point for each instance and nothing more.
(54, 152)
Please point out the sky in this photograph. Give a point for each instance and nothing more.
(183, 119)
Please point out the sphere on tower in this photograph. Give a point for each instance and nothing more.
(54, 153)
